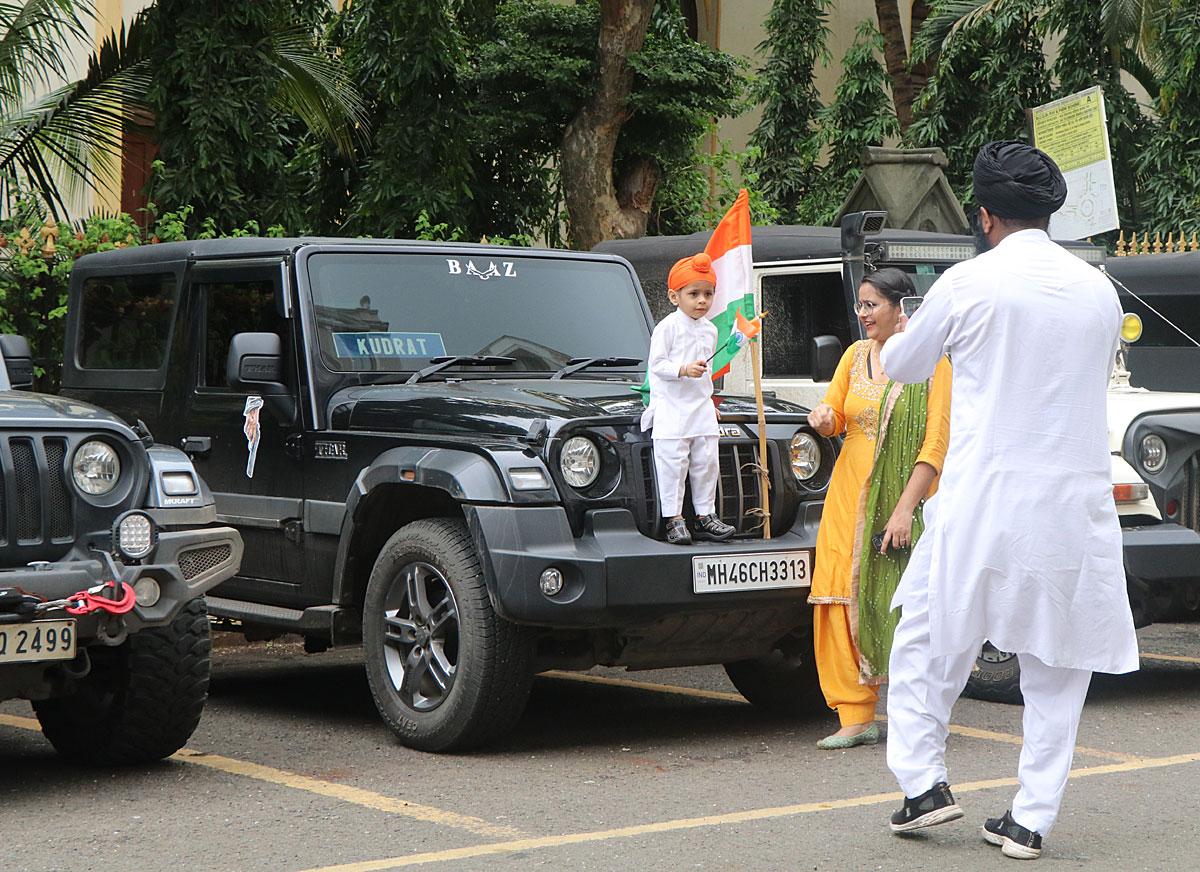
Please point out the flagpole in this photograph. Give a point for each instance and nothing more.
(764, 478)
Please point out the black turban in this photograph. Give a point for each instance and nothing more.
(1016, 180)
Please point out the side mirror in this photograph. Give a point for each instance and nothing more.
(254, 359)
(825, 353)
(18, 361)
(255, 365)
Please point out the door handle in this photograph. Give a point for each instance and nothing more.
(196, 446)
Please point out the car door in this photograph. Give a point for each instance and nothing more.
(247, 452)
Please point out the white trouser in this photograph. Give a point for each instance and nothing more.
(677, 459)
(922, 690)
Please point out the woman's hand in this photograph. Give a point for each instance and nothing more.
(898, 532)
(821, 419)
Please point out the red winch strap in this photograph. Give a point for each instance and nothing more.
(85, 602)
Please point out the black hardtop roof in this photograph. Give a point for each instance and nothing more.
(262, 246)
(774, 243)
(771, 243)
(1155, 274)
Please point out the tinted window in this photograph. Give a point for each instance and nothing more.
(235, 307)
(393, 312)
(801, 306)
(126, 321)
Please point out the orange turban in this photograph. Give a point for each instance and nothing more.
(697, 268)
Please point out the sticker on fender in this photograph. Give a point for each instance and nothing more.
(769, 571)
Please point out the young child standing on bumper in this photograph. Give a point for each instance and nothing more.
(681, 415)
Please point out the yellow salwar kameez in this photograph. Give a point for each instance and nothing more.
(855, 400)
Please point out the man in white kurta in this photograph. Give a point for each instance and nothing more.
(1022, 546)
(681, 416)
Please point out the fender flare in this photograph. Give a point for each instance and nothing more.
(464, 476)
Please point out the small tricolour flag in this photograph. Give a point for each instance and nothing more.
(733, 262)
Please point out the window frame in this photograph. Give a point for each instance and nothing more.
(154, 379)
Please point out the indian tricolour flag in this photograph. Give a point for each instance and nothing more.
(733, 262)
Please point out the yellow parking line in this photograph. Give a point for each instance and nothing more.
(1174, 658)
(518, 845)
(724, 696)
(341, 792)
(673, 689)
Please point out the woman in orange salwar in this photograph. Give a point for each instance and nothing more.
(913, 423)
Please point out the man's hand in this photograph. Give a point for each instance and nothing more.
(822, 419)
(695, 369)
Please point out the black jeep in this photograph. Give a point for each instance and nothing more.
(435, 449)
(107, 543)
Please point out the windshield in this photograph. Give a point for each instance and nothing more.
(382, 312)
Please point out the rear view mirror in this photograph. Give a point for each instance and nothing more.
(255, 359)
(18, 361)
(826, 353)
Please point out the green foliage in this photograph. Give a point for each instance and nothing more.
(221, 142)
(33, 281)
(986, 76)
(860, 115)
(694, 197)
(1169, 163)
(407, 59)
(786, 148)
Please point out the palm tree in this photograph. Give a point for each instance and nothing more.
(69, 135)
(1129, 32)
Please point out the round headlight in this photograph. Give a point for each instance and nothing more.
(95, 468)
(1131, 327)
(135, 536)
(1153, 453)
(580, 461)
(806, 456)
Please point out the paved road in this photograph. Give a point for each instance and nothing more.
(291, 770)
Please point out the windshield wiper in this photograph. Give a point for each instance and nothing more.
(578, 363)
(440, 363)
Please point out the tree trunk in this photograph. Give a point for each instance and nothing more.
(895, 56)
(599, 206)
(919, 72)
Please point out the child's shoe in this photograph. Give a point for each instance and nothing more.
(677, 532)
(713, 528)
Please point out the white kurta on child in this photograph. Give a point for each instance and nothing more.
(1022, 546)
(681, 416)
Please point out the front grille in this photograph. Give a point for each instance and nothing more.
(200, 560)
(1190, 508)
(738, 488)
(34, 474)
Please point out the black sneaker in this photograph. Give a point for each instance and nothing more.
(677, 532)
(713, 528)
(1014, 840)
(934, 806)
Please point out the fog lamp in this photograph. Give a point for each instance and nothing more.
(1131, 327)
(551, 582)
(147, 592)
(134, 536)
(1153, 453)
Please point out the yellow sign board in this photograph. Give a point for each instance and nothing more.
(1072, 131)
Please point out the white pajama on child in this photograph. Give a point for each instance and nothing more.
(681, 415)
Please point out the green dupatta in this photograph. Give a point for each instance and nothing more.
(902, 415)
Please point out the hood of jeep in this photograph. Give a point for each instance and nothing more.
(19, 409)
(504, 408)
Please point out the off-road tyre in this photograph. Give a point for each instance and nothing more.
(142, 699)
(783, 682)
(995, 677)
(494, 657)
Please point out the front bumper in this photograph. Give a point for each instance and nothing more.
(1162, 554)
(615, 577)
(186, 564)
